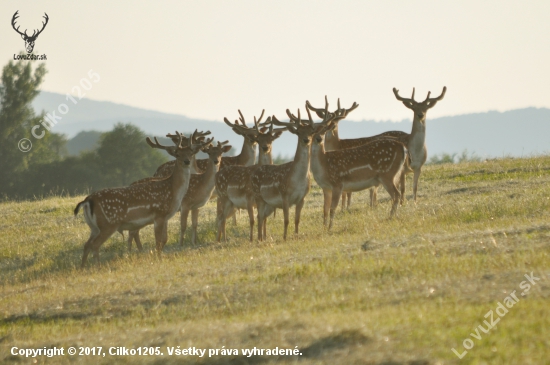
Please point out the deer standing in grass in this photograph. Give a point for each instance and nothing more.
(282, 186)
(415, 141)
(200, 189)
(353, 169)
(165, 170)
(133, 207)
(233, 182)
(332, 139)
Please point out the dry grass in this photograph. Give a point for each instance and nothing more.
(373, 291)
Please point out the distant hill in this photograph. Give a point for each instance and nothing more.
(519, 132)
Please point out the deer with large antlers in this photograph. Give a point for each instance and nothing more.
(29, 40)
(379, 162)
(282, 186)
(133, 207)
(165, 170)
(233, 184)
(332, 139)
(415, 141)
(200, 189)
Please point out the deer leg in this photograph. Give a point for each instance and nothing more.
(395, 195)
(261, 221)
(327, 194)
(195, 223)
(138, 241)
(344, 196)
(94, 242)
(286, 214)
(415, 182)
(336, 193)
(219, 217)
(250, 209)
(297, 214)
(130, 238)
(184, 213)
(237, 211)
(373, 192)
(161, 234)
(349, 199)
(402, 183)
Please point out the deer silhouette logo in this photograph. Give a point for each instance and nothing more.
(29, 40)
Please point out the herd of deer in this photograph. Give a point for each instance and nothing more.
(339, 166)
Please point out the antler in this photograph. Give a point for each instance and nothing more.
(43, 25)
(341, 113)
(34, 34)
(244, 129)
(431, 102)
(161, 147)
(320, 112)
(15, 16)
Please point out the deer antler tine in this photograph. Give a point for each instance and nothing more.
(261, 116)
(339, 104)
(309, 117)
(427, 97)
(242, 117)
(412, 97)
(326, 102)
(270, 125)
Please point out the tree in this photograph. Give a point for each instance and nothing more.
(19, 87)
(125, 157)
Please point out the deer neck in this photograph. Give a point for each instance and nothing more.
(332, 140)
(180, 182)
(417, 142)
(248, 153)
(209, 176)
(302, 158)
(264, 158)
(318, 162)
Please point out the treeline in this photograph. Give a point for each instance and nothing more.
(121, 156)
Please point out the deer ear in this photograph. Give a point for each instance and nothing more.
(277, 134)
(226, 148)
(23, 36)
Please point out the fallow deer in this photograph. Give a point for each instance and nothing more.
(282, 186)
(136, 206)
(415, 141)
(200, 189)
(233, 182)
(354, 169)
(332, 139)
(166, 170)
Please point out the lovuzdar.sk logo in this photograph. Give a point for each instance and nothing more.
(29, 39)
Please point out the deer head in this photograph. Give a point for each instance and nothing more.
(336, 116)
(242, 129)
(215, 153)
(29, 40)
(181, 152)
(419, 108)
(305, 129)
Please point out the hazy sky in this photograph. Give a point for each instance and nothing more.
(206, 59)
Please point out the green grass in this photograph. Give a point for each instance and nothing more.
(374, 290)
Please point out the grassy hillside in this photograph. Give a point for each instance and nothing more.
(374, 291)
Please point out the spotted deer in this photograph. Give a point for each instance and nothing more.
(166, 170)
(415, 141)
(282, 186)
(233, 182)
(353, 169)
(200, 189)
(332, 139)
(136, 206)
